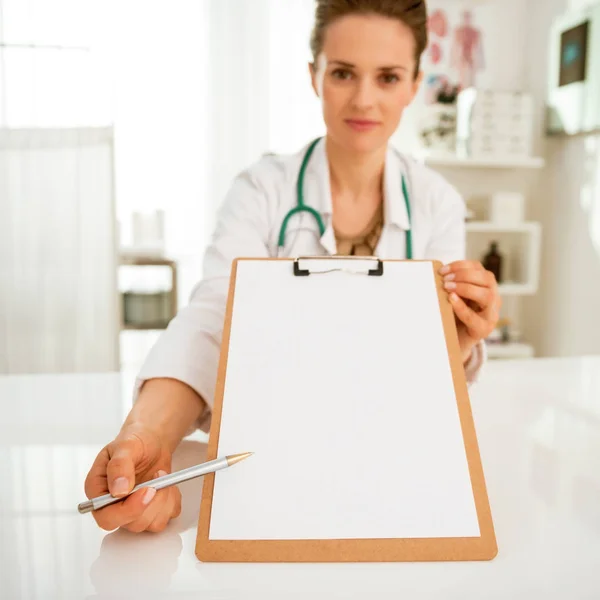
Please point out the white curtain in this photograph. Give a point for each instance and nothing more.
(260, 95)
(58, 296)
(196, 91)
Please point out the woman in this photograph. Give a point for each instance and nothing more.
(372, 200)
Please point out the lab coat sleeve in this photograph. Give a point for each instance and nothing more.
(447, 243)
(189, 349)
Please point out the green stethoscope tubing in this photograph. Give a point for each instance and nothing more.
(301, 207)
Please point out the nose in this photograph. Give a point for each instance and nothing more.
(364, 96)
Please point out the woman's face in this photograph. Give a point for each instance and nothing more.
(365, 79)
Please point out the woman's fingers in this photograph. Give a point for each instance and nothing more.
(172, 509)
(485, 297)
(146, 509)
(96, 482)
(165, 506)
(120, 470)
(473, 293)
(471, 282)
(155, 508)
(124, 512)
(176, 503)
(477, 325)
(118, 514)
(475, 276)
(460, 265)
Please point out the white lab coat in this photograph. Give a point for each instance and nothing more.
(248, 224)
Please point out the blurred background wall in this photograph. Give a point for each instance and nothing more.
(123, 123)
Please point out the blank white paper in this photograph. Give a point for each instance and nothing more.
(340, 384)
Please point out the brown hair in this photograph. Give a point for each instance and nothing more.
(413, 13)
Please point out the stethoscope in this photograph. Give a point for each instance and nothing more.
(302, 207)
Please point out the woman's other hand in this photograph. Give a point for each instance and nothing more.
(473, 293)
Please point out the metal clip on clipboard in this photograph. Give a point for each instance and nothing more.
(377, 271)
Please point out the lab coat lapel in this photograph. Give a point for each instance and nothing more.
(396, 219)
(328, 239)
(318, 194)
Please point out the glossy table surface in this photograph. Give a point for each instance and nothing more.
(538, 425)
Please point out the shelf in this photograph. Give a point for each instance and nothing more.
(490, 227)
(534, 162)
(145, 261)
(517, 289)
(509, 350)
(145, 327)
(148, 304)
(524, 283)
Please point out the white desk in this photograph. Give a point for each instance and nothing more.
(538, 424)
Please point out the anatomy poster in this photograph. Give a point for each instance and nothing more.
(455, 56)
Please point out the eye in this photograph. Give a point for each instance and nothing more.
(389, 78)
(342, 74)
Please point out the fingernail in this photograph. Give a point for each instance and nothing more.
(450, 285)
(148, 495)
(161, 473)
(453, 297)
(450, 277)
(445, 269)
(120, 486)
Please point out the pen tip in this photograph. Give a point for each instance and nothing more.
(236, 458)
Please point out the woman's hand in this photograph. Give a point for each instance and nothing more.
(474, 295)
(138, 454)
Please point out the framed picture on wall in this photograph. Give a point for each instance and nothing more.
(573, 54)
(573, 97)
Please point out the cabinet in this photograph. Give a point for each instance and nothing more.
(147, 302)
(519, 241)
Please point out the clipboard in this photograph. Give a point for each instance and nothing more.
(433, 504)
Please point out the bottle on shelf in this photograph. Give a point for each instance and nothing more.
(493, 260)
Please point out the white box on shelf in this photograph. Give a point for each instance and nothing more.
(501, 102)
(500, 144)
(491, 123)
(510, 350)
(515, 124)
(460, 161)
(506, 155)
(507, 208)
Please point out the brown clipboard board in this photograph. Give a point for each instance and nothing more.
(479, 548)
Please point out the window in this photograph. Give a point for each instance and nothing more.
(53, 70)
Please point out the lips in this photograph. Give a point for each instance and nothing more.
(362, 124)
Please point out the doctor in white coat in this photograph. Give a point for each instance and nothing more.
(347, 193)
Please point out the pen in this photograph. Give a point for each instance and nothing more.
(167, 480)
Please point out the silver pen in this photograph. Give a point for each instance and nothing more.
(166, 480)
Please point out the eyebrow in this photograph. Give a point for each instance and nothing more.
(348, 65)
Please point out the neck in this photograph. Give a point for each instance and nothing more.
(355, 174)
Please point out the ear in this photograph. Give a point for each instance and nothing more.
(313, 77)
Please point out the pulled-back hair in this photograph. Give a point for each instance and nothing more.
(412, 13)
